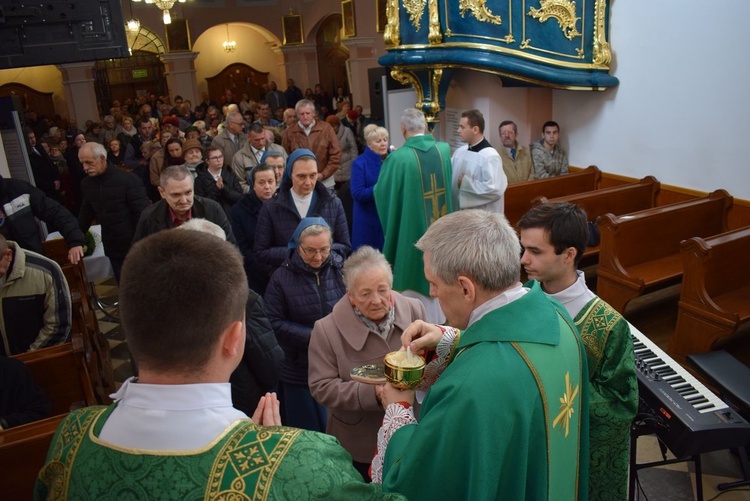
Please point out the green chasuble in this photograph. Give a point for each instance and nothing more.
(507, 419)
(246, 462)
(413, 190)
(613, 397)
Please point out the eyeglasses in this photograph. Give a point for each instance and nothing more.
(217, 157)
(314, 252)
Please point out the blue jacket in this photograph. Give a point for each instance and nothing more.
(296, 298)
(279, 218)
(366, 228)
(244, 221)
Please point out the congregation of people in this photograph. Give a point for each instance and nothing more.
(309, 247)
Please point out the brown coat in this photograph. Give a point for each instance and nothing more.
(339, 343)
(518, 170)
(322, 141)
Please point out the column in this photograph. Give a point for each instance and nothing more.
(78, 84)
(301, 63)
(180, 74)
(362, 56)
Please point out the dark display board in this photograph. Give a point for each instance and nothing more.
(54, 32)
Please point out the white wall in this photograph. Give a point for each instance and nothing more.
(681, 111)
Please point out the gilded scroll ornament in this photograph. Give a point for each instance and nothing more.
(434, 36)
(391, 33)
(562, 10)
(602, 52)
(478, 9)
(415, 8)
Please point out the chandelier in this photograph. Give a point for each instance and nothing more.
(164, 5)
(229, 46)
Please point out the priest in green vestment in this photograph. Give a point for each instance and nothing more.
(554, 237)
(505, 415)
(172, 433)
(412, 192)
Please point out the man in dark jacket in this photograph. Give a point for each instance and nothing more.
(301, 195)
(261, 362)
(20, 203)
(215, 181)
(178, 205)
(46, 175)
(115, 198)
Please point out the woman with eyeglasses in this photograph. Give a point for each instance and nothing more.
(302, 291)
(363, 327)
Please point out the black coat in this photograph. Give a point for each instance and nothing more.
(156, 217)
(21, 202)
(244, 220)
(45, 172)
(279, 218)
(259, 370)
(205, 186)
(116, 200)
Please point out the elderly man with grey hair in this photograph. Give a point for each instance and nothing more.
(178, 205)
(114, 198)
(412, 192)
(317, 136)
(507, 394)
(231, 138)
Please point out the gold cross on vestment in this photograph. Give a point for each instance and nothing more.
(433, 195)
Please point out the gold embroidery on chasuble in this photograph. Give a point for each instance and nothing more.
(243, 461)
(433, 192)
(595, 324)
(56, 475)
(566, 406)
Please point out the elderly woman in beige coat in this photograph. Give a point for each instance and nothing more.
(363, 327)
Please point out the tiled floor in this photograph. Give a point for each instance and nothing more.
(655, 315)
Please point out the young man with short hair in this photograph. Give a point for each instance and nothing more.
(554, 237)
(478, 178)
(550, 159)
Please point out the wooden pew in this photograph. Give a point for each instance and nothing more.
(62, 372)
(23, 452)
(715, 297)
(518, 196)
(641, 251)
(617, 200)
(85, 321)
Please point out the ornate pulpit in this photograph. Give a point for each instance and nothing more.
(553, 43)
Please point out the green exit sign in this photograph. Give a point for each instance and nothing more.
(140, 73)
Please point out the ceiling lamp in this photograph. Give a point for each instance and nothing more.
(133, 24)
(229, 46)
(164, 5)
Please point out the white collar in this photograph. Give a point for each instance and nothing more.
(575, 297)
(505, 297)
(174, 396)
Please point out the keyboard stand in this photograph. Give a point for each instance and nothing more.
(641, 429)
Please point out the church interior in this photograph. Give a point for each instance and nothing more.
(650, 108)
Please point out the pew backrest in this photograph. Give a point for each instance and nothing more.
(655, 233)
(718, 264)
(618, 200)
(62, 372)
(23, 452)
(518, 196)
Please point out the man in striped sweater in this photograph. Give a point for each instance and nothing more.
(35, 305)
